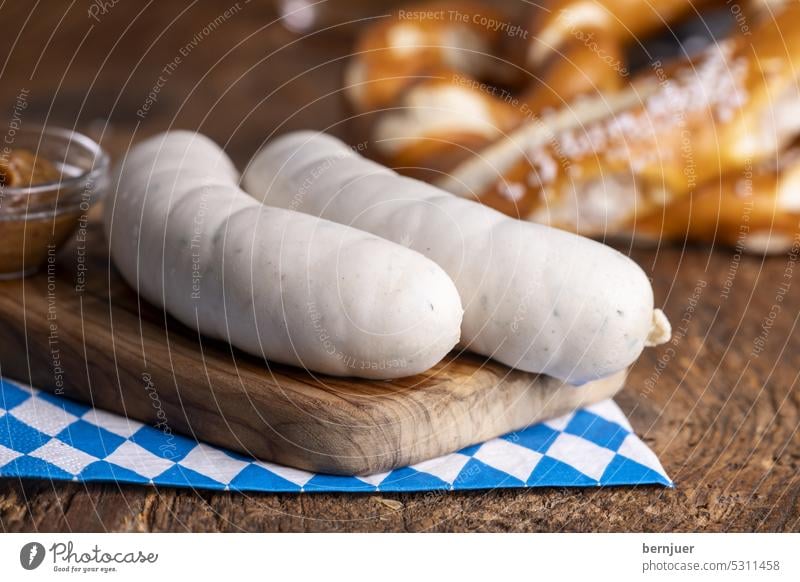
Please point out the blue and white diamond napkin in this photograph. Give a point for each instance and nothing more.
(48, 437)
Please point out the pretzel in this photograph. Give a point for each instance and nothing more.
(588, 146)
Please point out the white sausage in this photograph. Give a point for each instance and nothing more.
(283, 285)
(535, 298)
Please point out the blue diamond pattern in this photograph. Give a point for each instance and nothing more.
(20, 437)
(166, 446)
(75, 408)
(553, 472)
(91, 439)
(255, 478)
(162, 451)
(598, 430)
(408, 479)
(105, 471)
(538, 437)
(11, 395)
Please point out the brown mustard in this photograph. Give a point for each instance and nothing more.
(23, 169)
(30, 224)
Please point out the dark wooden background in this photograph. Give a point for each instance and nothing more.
(723, 419)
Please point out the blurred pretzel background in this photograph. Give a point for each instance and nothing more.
(618, 119)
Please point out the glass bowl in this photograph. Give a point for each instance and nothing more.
(35, 220)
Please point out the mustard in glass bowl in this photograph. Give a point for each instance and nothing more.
(49, 179)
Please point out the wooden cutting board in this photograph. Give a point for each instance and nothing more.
(78, 330)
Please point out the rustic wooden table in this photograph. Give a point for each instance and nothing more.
(721, 415)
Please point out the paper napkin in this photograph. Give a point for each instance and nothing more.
(48, 437)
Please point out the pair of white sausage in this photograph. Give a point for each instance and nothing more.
(282, 285)
(535, 298)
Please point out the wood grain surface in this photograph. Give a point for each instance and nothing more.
(118, 353)
(721, 412)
